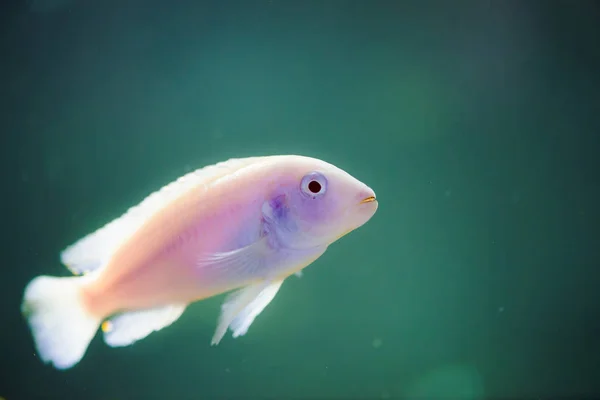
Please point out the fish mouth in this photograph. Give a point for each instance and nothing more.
(369, 199)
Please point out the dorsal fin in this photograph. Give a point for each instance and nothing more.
(94, 250)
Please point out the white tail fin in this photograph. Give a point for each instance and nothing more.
(61, 326)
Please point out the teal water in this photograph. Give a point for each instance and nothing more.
(476, 123)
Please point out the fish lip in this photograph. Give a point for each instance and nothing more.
(369, 199)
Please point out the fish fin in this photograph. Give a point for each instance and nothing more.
(241, 307)
(246, 260)
(61, 326)
(244, 319)
(94, 250)
(129, 327)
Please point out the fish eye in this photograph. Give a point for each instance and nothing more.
(314, 184)
(314, 187)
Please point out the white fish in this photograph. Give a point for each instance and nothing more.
(244, 224)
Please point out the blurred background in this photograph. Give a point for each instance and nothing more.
(476, 122)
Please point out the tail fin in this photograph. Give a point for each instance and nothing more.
(62, 328)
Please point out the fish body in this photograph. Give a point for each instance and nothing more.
(243, 224)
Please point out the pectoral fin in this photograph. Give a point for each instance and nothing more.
(245, 261)
(242, 306)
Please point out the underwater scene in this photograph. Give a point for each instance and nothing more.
(300, 199)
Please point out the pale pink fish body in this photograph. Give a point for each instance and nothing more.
(242, 224)
(161, 258)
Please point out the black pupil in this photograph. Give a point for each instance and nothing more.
(314, 186)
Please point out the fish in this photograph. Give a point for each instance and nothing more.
(239, 227)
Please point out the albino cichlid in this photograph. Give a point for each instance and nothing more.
(244, 224)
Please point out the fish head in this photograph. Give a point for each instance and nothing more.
(320, 203)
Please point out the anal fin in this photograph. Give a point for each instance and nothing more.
(129, 327)
(241, 308)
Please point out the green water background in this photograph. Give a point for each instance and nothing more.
(476, 122)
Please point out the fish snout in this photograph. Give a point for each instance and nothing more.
(367, 196)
